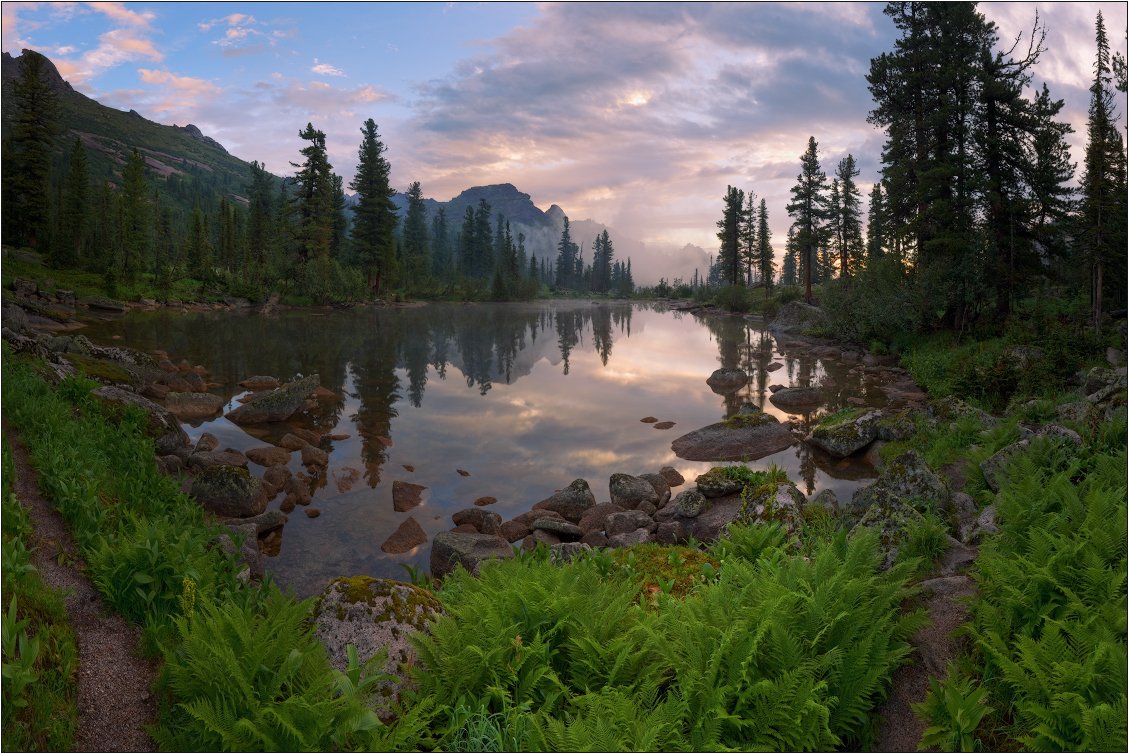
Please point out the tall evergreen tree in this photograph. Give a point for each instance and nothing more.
(260, 215)
(849, 223)
(729, 234)
(749, 248)
(875, 225)
(374, 214)
(440, 246)
(791, 264)
(315, 199)
(566, 259)
(339, 238)
(74, 215)
(137, 219)
(1050, 173)
(28, 154)
(808, 210)
(1102, 211)
(417, 266)
(765, 256)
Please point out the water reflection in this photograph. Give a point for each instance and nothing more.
(523, 397)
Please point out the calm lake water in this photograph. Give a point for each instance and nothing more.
(523, 397)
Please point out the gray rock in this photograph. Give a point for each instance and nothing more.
(229, 491)
(783, 504)
(797, 316)
(277, 405)
(246, 554)
(627, 521)
(264, 523)
(15, 319)
(690, 504)
(629, 491)
(595, 518)
(449, 549)
(595, 539)
(486, 522)
(947, 410)
(374, 615)
(225, 457)
(637, 537)
(897, 426)
(671, 533)
(892, 518)
(563, 529)
(716, 483)
(661, 486)
(848, 435)
(192, 406)
(672, 476)
(540, 537)
(161, 426)
(713, 521)
(826, 499)
(734, 440)
(572, 502)
(727, 380)
(795, 399)
(909, 478)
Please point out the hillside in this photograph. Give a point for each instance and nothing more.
(197, 168)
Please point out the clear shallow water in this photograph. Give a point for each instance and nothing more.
(524, 397)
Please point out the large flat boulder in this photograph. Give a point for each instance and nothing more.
(229, 491)
(450, 549)
(845, 433)
(277, 405)
(744, 437)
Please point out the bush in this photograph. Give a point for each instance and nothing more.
(734, 298)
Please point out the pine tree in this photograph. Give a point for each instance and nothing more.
(374, 214)
(440, 246)
(729, 234)
(875, 225)
(260, 215)
(1102, 212)
(28, 154)
(74, 216)
(315, 200)
(1050, 173)
(566, 259)
(137, 222)
(417, 266)
(339, 238)
(765, 256)
(849, 225)
(750, 251)
(791, 259)
(808, 210)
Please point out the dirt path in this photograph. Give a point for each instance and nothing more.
(944, 598)
(114, 702)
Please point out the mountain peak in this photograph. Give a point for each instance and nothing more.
(51, 75)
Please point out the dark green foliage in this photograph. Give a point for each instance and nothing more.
(808, 209)
(314, 202)
(729, 257)
(954, 708)
(27, 154)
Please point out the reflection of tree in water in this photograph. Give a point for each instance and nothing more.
(568, 324)
(378, 389)
(602, 333)
(807, 467)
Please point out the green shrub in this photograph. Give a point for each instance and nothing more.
(734, 298)
(953, 708)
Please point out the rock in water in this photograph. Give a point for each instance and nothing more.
(405, 495)
(842, 435)
(451, 548)
(629, 491)
(229, 491)
(407, 537)
(797, 398)
(572, 502)
(724, 381)
(737, 439)
(190, 406)
(277, 405)
(373, 615)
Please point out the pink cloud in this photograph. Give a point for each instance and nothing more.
(118, 12)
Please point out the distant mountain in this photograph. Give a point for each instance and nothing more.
(201, 167)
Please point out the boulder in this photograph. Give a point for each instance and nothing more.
(892, 518)
(406, 495)
(207, 442)
(672, 477)
(671, 533)
(715, 519)
(797, 316)
(845, 433)
(15, 319)
(783, 504)
(627, 539)
(314, 457)
(161, 426)
(408, 536)
(209, 458)
(277, 405)
(993, 467)
(539, 537)
(246, 554)
(717, 483)
(689, 504)
(950, 408)
(727, 380)
(374, 615)
(260, 382)
(795, 399)
(269, 455)
(735, 439)
(291, 441)
(826, 499)
(264, 523)
(485, 522)
(661, 487)
(897, 426)
(275, 479)
(629, 491)
(626, 521)
(192, 406)
(449, 549)
(909, 479)
(229, 491)
(565, 531)
(566, 551)
(596, 517)
(595, 539)
(572, 502)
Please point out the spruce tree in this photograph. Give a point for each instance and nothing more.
(566, 258)
(851, 248)
(260, 217)
(808, 210)
(875, 225)
(374, 214)
(440, 246)
(137, 221)
(417, 266)
(749, 248)
(1102, 210)
(74, 216)
(729, 235)
(315, 197)
(765, 256)
(28, 154)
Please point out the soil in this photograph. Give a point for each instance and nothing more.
(114, 703)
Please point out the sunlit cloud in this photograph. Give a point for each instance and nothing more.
(114, 48)
(325, 69)
(123, 15)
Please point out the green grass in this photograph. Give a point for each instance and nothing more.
(40, 705)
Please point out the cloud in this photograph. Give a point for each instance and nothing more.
(114, 47)
(123, 15)
(325, 69)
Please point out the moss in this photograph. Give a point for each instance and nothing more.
(102, 370)
(408, 608)
(679, 568)
(755, 419)
(843, 416)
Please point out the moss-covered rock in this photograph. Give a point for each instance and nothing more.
(797, 316)
(161, 426)
(629, 491)
(893, 519)
(277, 405)
(727, 380)
(846, 432)
(374, 615)
(719, 482)
(229, 491)
(736, 439)
(778, 502)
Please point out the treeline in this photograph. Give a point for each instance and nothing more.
(299, 235)
(974, 209)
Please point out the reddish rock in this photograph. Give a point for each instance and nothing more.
(594, 519)
(324, 393)
(486, 500)
(406, 495)
(292, 442)
(275, 479)
(466, 529)
(308, 435)
(338, 437)
(313, 512)
(345, 478)
(315, 457)
(485, 522)
(514, 530)
(462, 472)
(408, 467)
(189, 406)
(260, 382)
(648, 420)
(672, 477)
(407, 537)
(207, 442)
(269, 455)
(663, 425)
(155, 391)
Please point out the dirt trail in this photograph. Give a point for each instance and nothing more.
(114, 703)
(944, 598)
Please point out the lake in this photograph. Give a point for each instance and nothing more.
(511, 401)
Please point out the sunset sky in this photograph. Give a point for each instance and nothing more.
(635, 115)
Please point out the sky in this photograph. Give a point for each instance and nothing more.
(635, 115)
